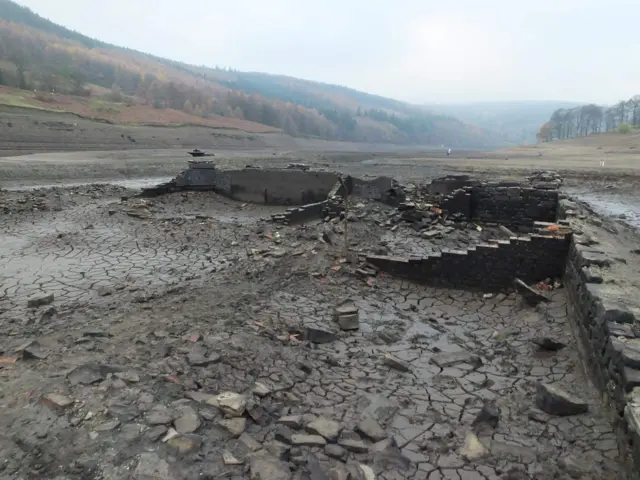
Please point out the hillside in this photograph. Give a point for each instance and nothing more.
(75, 73)
(516, 122)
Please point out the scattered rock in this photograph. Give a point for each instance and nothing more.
(302, 440)
(330, 237)
(89, 374)
(349, 322)
(251, 443)
(351, 442)
(387, 456)
(335, 451)
(32, 351)
(319, 333)
(489, 415)
(370, 428)
(291, 421)
(473, 449)
(395, 363)
(538, 415)
(188, 420)
(159, 416)
(56, 401)
(328, 429)
(283, 434)
(151, 467)
(257, 413)
(186, 444)
(107, 426)
(129, 377)
(198, 358)
(235, 426)
(347, 316)
(231, 403)
(104, 291)
(530, 295)
(261, 390)
(451, 359)
(577, 467)
(154, 434)
(278, 449)
(555, 401)
(229, 459)
(429, 234)
(266, 467)
(40, 300)
(546, 343)
(367, 472)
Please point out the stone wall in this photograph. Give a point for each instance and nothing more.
(264, 186)
(502, 203)
(491, 267)
(611, 340)
(304, 213)
(449, 184)
(380, 189)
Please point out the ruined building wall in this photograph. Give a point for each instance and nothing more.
(276, 187)
(273, 187)
(611, 340)
(491, 267)
(504, 204)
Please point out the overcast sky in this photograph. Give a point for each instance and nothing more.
(413, 50)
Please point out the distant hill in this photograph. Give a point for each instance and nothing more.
(516, 123)
(72, 72)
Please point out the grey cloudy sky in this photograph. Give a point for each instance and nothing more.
(413, 50)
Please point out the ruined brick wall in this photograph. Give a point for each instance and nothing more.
(611, 344)
(502, 203)
(513, 205)
(491, 267)
(380, 189)
(304, 213)
(265, 186)
(449, 184)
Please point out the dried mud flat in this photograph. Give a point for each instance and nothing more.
(187, 337)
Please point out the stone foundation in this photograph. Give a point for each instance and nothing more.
(491, 267)
(611, 340)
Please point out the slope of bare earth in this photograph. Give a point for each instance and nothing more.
(27, 130)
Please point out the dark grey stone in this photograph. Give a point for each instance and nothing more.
(555, 401)
(546, 343)
(489, 415)
(319, 333)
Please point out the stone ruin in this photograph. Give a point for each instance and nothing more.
(537, 245)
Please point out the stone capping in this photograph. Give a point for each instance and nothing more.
(610, 336)
(486, 267)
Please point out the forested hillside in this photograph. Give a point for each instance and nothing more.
(36, 54)
(588, 119)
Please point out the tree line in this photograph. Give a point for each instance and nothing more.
(588, 119)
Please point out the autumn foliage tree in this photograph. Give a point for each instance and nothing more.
(588, 119)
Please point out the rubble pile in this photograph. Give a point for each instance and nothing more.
(545, 180)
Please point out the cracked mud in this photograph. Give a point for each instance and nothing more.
(187, 338)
